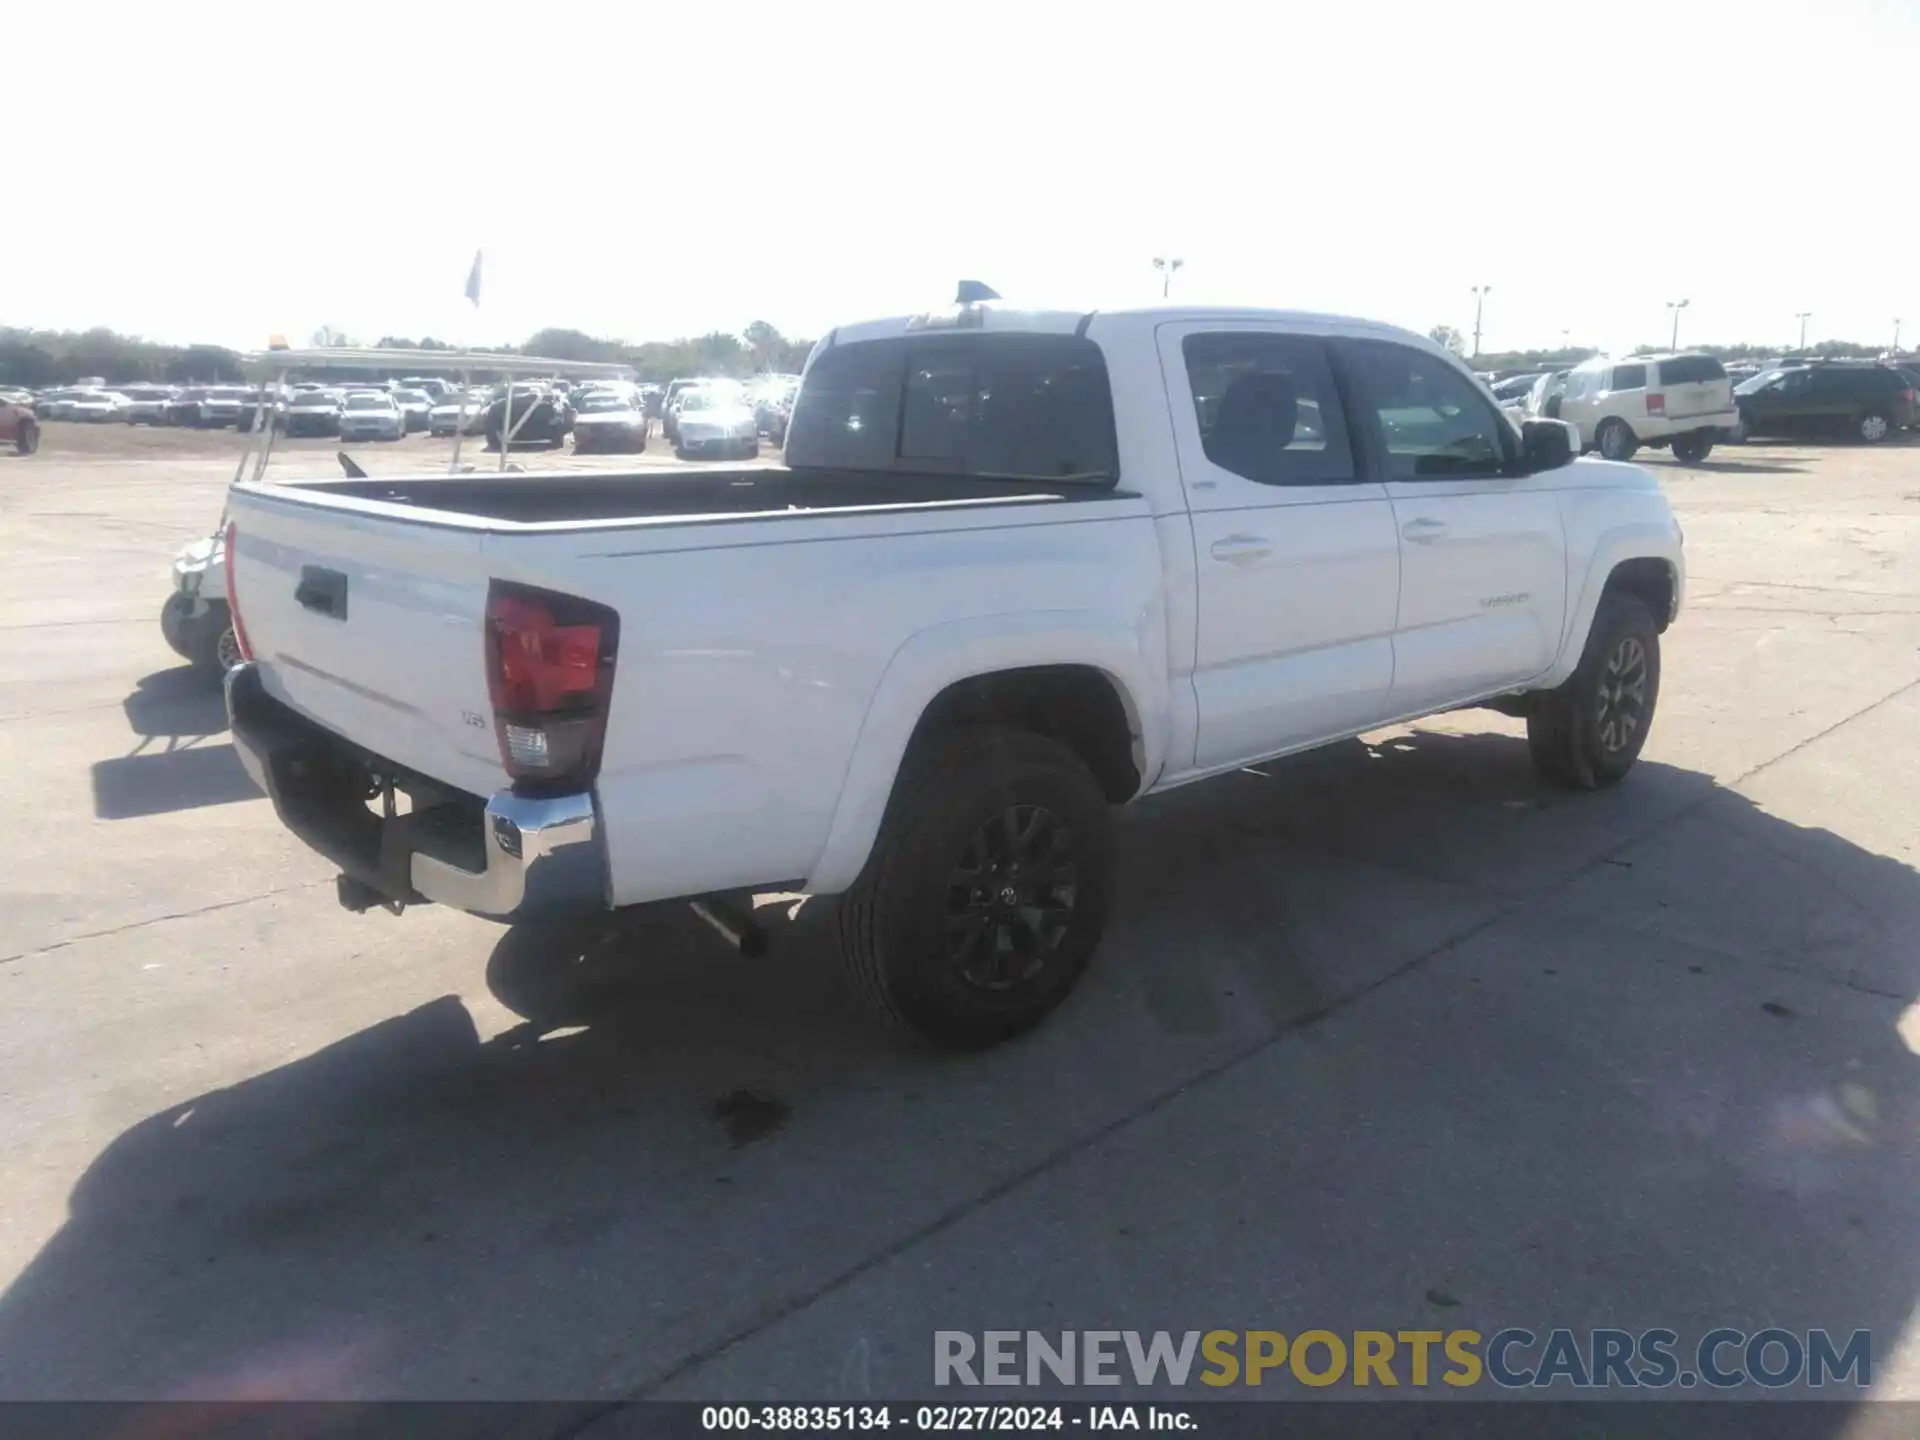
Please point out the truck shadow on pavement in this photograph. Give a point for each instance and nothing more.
(1621, 1059)
(175, 713)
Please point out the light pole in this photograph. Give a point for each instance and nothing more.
(1801, 316)
(1676, 306)
(1896, 336)
(1480, 293)
(1166, 267)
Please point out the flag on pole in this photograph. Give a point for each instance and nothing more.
(473, 280)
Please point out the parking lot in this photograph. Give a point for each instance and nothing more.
(1388, 1036)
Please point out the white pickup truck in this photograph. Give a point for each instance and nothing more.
(1019, 567)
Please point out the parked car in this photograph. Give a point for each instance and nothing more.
(1865, 402)
(715, 420)
(98, 406)
(458, 414)
(371, 415)
(415, 406)
(195, 621)
(1514, 388)
(1543, 400)
(1682, 401)
(57, 404)
(540, 417)
(313, 412)
(733, 680)
(773, 405)
(184, 407)
(435, 390)
(220, 405)
(670, 404)
(19, 427)
(609, 419)
(147, 404)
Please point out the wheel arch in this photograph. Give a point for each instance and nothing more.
(1077, 677)
(1642, 560)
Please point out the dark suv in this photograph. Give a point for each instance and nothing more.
(1865, 402)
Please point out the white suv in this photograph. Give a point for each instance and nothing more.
(1685, 401)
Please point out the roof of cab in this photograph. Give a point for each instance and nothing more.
(1003, 318)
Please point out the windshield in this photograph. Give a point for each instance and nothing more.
(1758, 382)
(411, 397)
(369, 402)
(321, 398)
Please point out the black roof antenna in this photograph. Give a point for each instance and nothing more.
(972, 292)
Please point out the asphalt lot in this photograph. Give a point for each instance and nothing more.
(1389, 1036)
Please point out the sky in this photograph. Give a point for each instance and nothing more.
(646, 171)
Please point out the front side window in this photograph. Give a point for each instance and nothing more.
(1629, 377)
(1267, 407)
(1429, 421)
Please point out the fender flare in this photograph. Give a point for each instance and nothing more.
(1641, 540)
(932, 659)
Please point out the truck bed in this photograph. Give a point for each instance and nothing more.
(659, 494)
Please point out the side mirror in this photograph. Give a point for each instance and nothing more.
(1545, 445)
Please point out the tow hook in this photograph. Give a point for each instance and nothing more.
(360, 897)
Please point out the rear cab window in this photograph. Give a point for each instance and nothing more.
(1009, 405)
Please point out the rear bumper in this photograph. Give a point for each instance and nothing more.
(508, 857)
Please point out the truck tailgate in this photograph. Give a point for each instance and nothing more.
(374, 628)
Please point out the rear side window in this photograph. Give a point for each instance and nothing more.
(1629, 377)
(1033, 406)
(1691, 370)
(1267, 407)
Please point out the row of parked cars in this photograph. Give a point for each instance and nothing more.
(699, 415)
(1690, 403)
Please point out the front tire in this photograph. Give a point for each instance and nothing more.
(211, 644)
(1692, 449)
(1615, 439)
(1589, 732)
(27, 439)
(1873, 427)
(987, 890)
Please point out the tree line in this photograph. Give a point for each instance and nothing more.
(36, 359)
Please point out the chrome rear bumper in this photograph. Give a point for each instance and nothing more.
(507, 857)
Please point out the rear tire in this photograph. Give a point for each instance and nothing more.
(1615, 439)
(1692, 449)
(1589, 732)
(1873, 427)
(987, 889)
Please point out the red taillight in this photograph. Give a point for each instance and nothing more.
(550, 661)
(1909, 395)
(1656, 404)
(228, 563)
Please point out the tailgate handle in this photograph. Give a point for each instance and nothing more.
(323, 590)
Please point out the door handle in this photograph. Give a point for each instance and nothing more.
(1241, 549)
(1423, 531)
